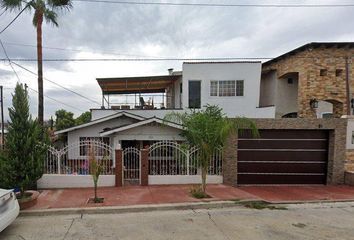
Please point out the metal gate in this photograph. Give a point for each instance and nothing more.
(131, 166)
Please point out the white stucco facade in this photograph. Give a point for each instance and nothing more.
(233, 106)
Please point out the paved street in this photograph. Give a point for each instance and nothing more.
(308, 221)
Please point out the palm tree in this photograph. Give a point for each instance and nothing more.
(43, 10)
(209, 129)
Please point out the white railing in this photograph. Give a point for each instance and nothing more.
(75, 158)
(171, 158)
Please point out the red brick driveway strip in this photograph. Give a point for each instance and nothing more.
(137, 195)
(134, 195)
(284, 194)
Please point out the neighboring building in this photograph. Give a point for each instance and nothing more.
(316, 71)
(133, 107)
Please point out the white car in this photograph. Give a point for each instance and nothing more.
(9, 208)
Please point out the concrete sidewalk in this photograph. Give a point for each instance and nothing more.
(165, 194)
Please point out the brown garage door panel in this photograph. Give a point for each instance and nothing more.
(282, 156)
(282, 144)
(247, 167)
(281, 179)
(287, 134)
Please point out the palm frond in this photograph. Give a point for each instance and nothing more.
(11, 5)
(242, 124)
(60, 4)
(51, 17)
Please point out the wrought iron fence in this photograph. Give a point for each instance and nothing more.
(171, 158)
(75, 158)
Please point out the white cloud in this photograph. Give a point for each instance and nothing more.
(101, 29)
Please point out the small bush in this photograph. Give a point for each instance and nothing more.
(197, 192)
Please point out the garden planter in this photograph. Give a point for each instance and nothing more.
(29, 200)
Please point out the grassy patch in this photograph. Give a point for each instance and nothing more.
(259, 205)
(97, 200)
(197, 192)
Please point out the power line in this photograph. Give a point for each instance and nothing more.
(13, 20)
(57, 84)
(78, 50)
(220, 5)
(134, 59)
(55, 100)
(7, 56)
(151, 59)
(13, 69)
(2, 13)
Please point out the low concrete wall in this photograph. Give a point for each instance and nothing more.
(183, 179)
(73, 181)
(349, 178)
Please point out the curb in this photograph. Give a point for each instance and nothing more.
(130, 209)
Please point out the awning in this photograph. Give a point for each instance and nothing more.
(128, 85)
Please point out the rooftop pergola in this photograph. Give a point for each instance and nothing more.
(135, 85)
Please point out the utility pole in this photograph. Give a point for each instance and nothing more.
(2, 117)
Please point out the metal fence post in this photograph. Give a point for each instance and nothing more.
(59, 163)
(188, 157)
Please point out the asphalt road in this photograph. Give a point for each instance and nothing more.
(310, 221)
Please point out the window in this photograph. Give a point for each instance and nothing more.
(85, 143)
(353, 137)
(290, 81)
(227, 88)
(239, 88)
(194, 98)
(339, 72)
(213, 88)
(323, 72)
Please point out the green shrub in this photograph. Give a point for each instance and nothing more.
(197, 192)
(25, 145)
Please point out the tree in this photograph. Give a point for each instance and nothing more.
(43, 10)
(96, 168)
(83, 118)
(209, 129)
(25, 147)
(64, 119)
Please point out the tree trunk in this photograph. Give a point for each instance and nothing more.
(95, 183)
(204, 173)
(40, 68)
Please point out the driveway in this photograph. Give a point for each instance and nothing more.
(305, 221)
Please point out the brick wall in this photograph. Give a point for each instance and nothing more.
(337, 145)
(308, 64)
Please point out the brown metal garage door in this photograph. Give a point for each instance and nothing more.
(283, 157)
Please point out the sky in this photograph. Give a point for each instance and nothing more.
(102, 30)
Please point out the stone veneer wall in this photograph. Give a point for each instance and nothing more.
(308, 64)
(337, 145)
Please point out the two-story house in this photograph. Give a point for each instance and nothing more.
(133, 108)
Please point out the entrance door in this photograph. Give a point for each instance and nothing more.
(131, 166)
